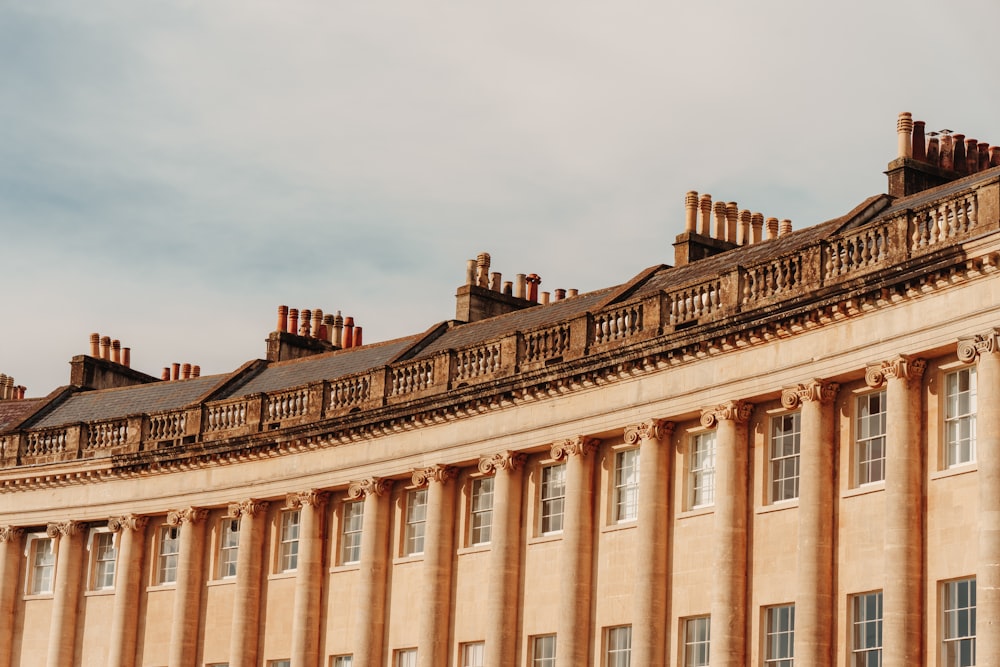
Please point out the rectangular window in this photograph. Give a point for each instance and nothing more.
(350, 533)
(229, 547)
(474, 653)
(169, 549)
(279, 663)
(960, 417)
(869, 439)
(406, 657)
(102, 551)
(618, 647)
(552, 499)
(481, 512)
(866, 648)
(779, 641)
(543, 651)
(288, 550)
(785, 434)
(342, 661)
(958, 647)
(701, 475)
(697, 641)
(43, 565)
(626, 506)
(416, 518)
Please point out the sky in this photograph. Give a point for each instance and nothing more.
(171, 172)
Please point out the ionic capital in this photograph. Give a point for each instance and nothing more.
(578, 446)
(10, 533)
(651, 429)
(970, 349)
(127, 521)
(248, 507)
(434, 473)
(64, 528)
(814, 390)
(737, 411)
(188, 515)
(312, 497)
(373, 486)
(505, 460)
(900, 367)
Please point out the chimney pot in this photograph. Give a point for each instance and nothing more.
(338, 330)
(175, 371)
(357, 337)
(304, 328)
(328, 327)
(20, 392)
(495, 279)
(971, 155)
(757, 225)
(165, 375)
(116, 351)
(919, 150)
(958, 161)
(95, 345)
(573, 292)
(720, 220)
(691, 211)
(947, 151)
(196, 371)
(705, 229)
(995, 156)
(282, 318)
(560, 294)
(732, 212)
(508, 288)
(786, 227)
(934, 151)
(470, 272)
(482, 269)
(127, 357)
(545, 298)
(348, 332)
(317, 321)
(984, 156)
(743, 237)
(533, 282)
(519, 286)
(293, 321)
(772, 228)
(106, 348)
(185, 371)
(904, 131)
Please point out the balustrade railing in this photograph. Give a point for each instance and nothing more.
(695, 302)
(618, 324)
(46, 442)
(475, 362)
(857, 252)
(350, 391)
(944, 221)
(411, 377)
(167, 426)
(225, 416)
(546, 344)
(287, 404)
(104, 435)
(774, 278)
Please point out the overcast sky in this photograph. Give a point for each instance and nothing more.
(171, 172)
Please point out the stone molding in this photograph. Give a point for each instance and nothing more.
(651, 429)
(737, 411)
(579, 446)
(248, 507)
(970, 349)
(188, 515)
(63, 528)
(10, 533)
(127, 521)
(505, 460)
(313, 498)
(819, 391)
(434, 473)
(374, 486)
(902, 367)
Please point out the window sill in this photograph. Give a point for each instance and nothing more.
(541, 539)
(474, 549)
(162, 587)
(228, 581)
(962, 469)
(779, 506)
(865, 489)
(697, 511)
(38, 596)
(403, 560)
(623, 525)
(287, 574)
(346, 567)
(99, 592)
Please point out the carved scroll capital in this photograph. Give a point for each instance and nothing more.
(373, 486)
(578, 446)
(10, 533)
(248, 507)
(651, 429)
(814, 390)
(434, 473)
(969, 349)
(900, 367)
(737, 411)
(311, 497)
(188, 515)
(127, 522)
(505, 460)
(63, 528)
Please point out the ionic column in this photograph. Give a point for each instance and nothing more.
(729, 535)
(505, 557)
(306, 613)
(187, 595)
(10, 569)
(902, 598)
(66, 592)
(246, 602)
(649, 619)
(814, 605)
(432, 645)
(130, 535)
(573, 626)
(369, 626)
(987, 348)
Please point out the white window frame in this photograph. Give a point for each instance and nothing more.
(229, 547)
(405, 657)
(618, 646)
(481, 511)
(415, 522)
(473, 654)
(543, 651)
(551, 498)
(346, 660)
(102, 567)
(870, 438)
(866, 628)
(697, 641)
(166, 560)
(352, 521)
(784, 447)
(958, 623)
(960, 417)
(288, 540)
(284, 662)
(701, 470)
(779, 636)
(41, 575)
(626, 485)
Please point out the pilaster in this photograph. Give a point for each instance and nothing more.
(187, 596)
(246, 602)
(369, 628)
(131, 537)
(66, 592)
(432, 647)
(10, 569)
(306, 616)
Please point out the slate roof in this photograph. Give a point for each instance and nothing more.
(12, 412)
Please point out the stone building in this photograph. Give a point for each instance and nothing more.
(782, 450)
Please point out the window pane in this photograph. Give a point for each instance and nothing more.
(473, 655)
(870, 439)
(553, 493)
(779, 643)
(960, 417)
(289, 556)
(544, 651)
(784, 469)
(626, 485)
(959, 609)
(481, 514)
(43, 564)
(350, 539)
(104, 560)
(167, 560)
(416, 516)
(229, 544)
(697, 635)
(619, 646)
(701, 477)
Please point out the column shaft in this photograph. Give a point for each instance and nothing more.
(988, 457)
(246, 602)
(505, 558)
(649, 620)
(187, 596)
(128, 579)
(432, 646)
(10, 569)
(308, 579)
(66, 594)
(369, 628)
